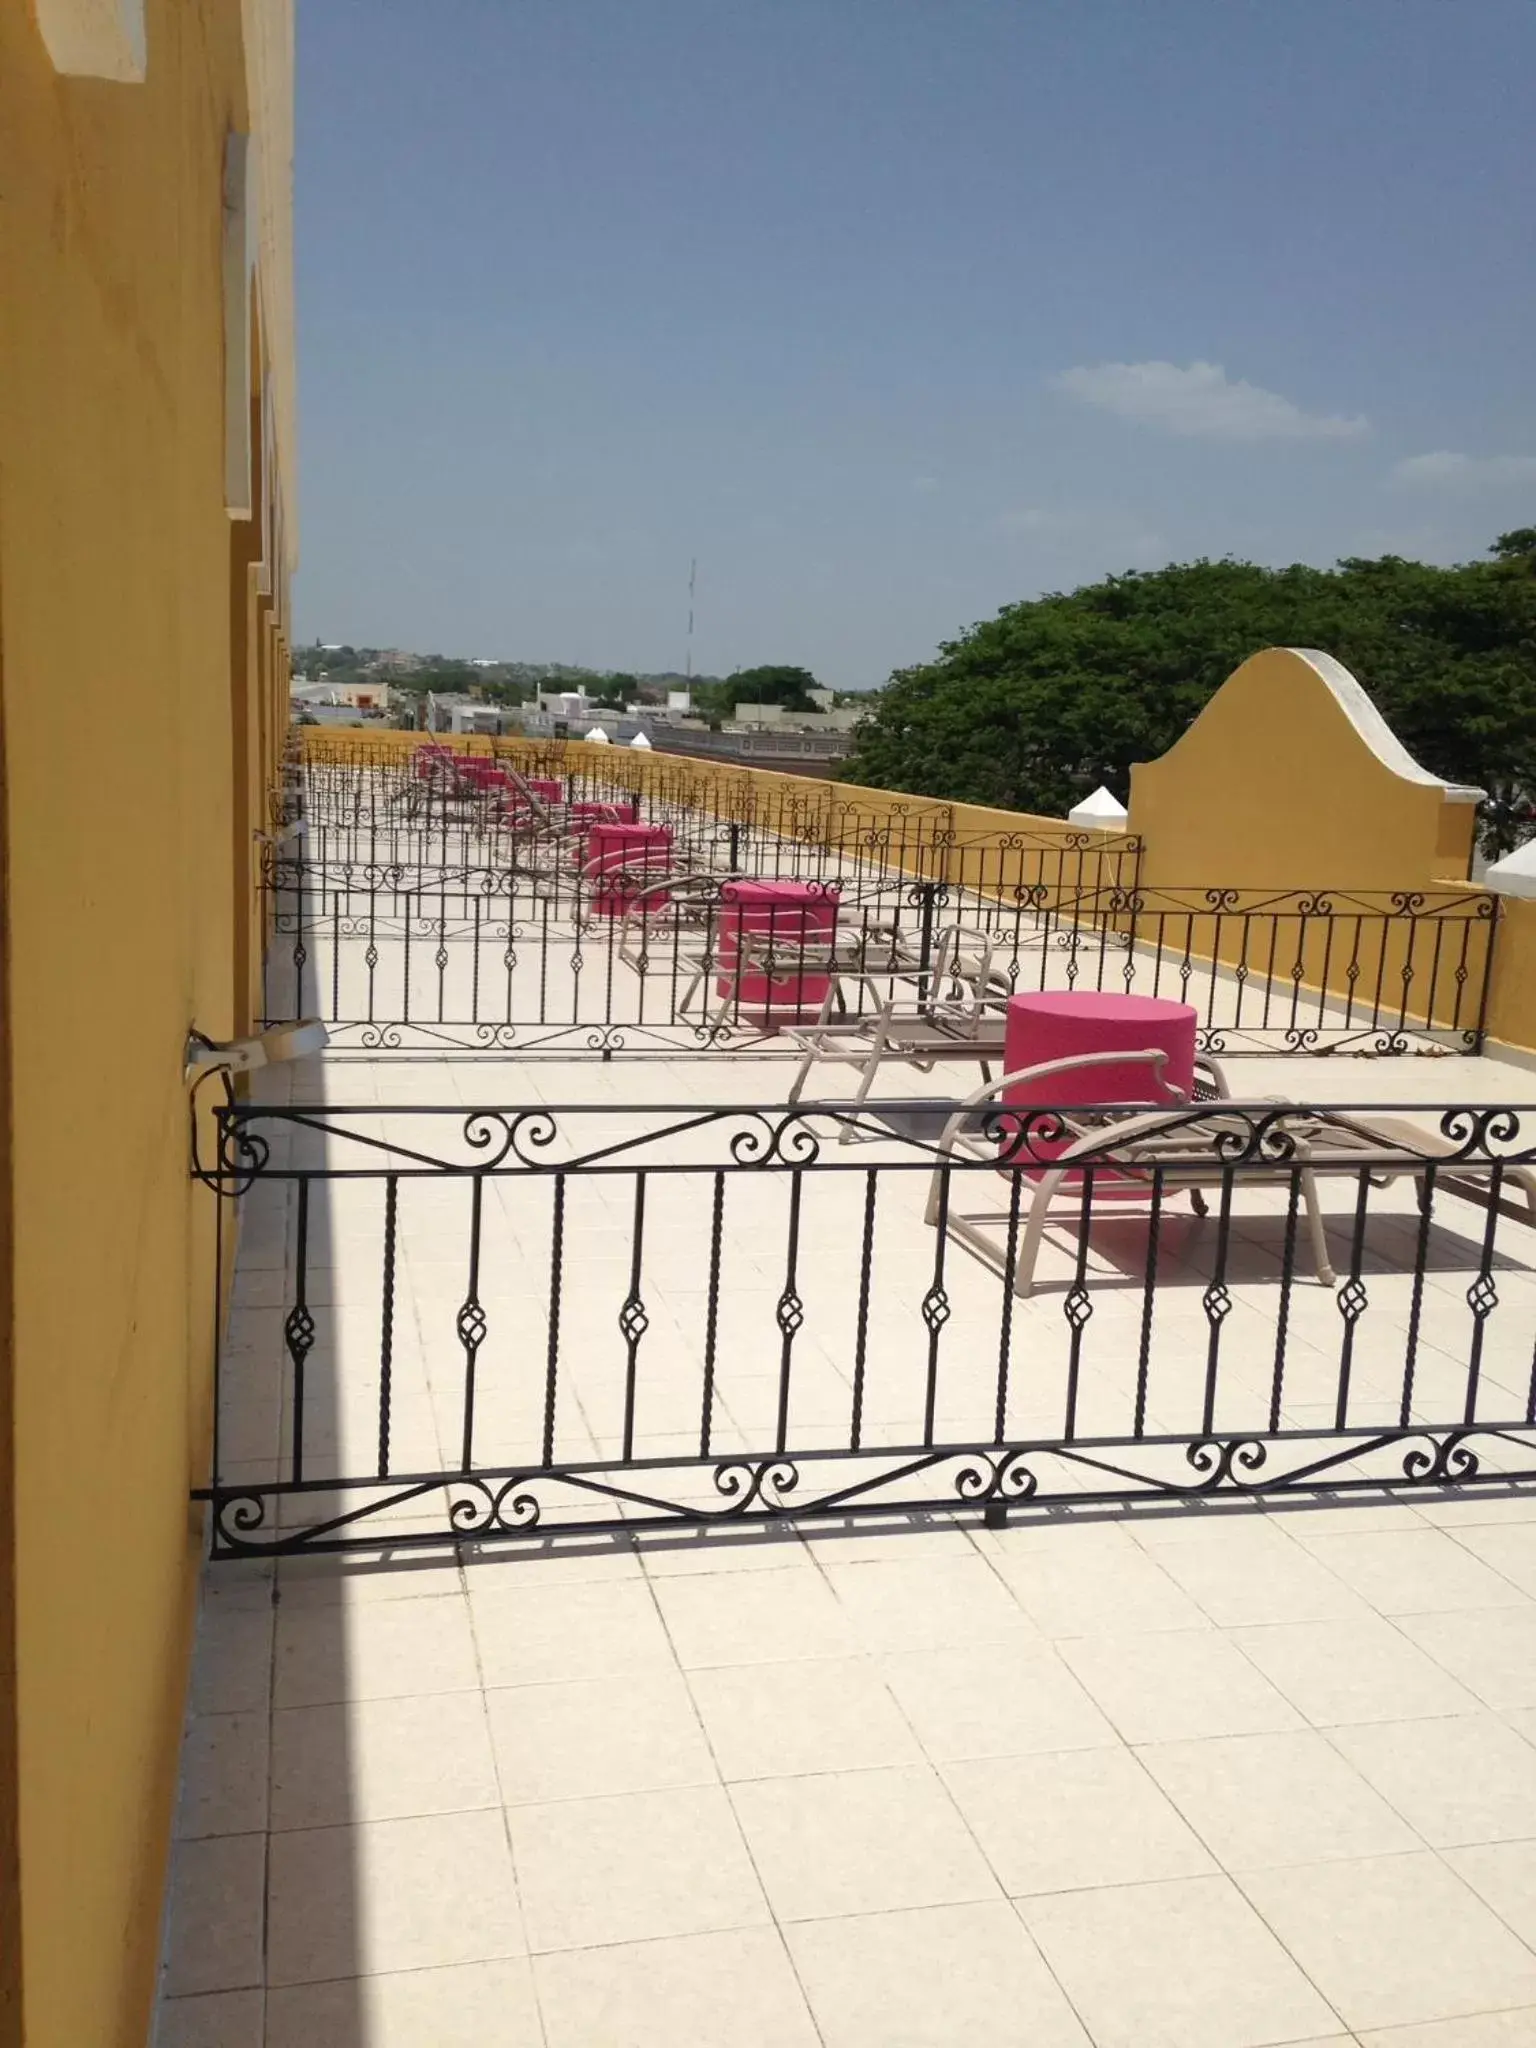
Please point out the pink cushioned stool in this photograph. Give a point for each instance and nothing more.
(1060, 1024)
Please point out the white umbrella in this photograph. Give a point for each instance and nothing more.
(599, 735)
(1101, 812)
(640, 740)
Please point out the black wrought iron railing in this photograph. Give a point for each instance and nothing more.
(416, 906)
(404, 955)
(469, 1325)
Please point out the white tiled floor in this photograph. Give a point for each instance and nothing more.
(1211, 1780)
(622, 1807)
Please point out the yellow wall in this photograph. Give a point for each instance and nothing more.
(1287, 782)
(10, 1784)
(1274, 787)
(1512, 994)
(128, 782)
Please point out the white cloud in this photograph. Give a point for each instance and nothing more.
(925, 483)
(1466, 471)
(1200, 398)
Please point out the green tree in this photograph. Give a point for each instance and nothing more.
(774, 683)
(618, 688)
(442, 674)
(502, 689)
(1032, 709)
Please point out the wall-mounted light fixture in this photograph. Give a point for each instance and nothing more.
(294, 829)
(244, 1055)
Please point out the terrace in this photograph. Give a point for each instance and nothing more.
(666, 1587)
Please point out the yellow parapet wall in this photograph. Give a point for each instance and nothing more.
(1011, 857)
(1512, 993)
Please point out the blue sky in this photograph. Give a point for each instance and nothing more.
(892, 311)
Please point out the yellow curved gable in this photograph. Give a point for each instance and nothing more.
(1290, 778)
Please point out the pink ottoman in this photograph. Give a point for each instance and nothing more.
(584, 815)
(794, 913)
(619, 861)
(1058, 1024)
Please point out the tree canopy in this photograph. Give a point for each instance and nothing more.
(772, 683)
(1033, 709)
(617, 689)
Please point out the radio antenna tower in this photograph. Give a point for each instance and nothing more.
(693, 571)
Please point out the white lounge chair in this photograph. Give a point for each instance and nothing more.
(1188, 1147)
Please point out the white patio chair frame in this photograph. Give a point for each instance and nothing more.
(960, 1014)
(843, 958)
(544, 813)
(692, 911)
(778, 957)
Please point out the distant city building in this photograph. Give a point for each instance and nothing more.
(567, 704)
(370, 695)
(831, 718)
(451, 712)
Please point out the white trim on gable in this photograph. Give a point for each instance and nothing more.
(1374, 730)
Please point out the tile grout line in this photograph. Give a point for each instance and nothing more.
(752, 1863)
(1232, 1877)
(274, 1610)
(954, 1806)
(506, 1816)
(1390, 1621)
(1327, 1732)
(1395, 2025)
